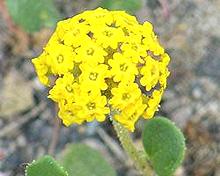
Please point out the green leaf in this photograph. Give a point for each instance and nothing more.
(45, 166)
(81, 160)
(128, 5)
(32, 15)
(164, 143)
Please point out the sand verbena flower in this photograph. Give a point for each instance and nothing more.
(105, 63)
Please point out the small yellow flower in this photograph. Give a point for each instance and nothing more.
(122, 69)
(90, 53)
(93, 76)
(61, 57)
(153, 104)
(93, 106)
(42, 68)
(70, 113)
(124, 94)
(134, 51)
(131, 114)
(104, 63)
(108, 36)
(64, 88)
(150, 73)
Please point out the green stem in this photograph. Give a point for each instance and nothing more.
(138, 158)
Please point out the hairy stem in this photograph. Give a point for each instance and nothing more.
(139, 160)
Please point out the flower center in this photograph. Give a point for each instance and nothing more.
(91, 105)
(60, 59)
(93, 76)
(70, 113)
(108, 33)
(76, 32)
(123, 67)
(69, 88)
(126, 96)
(134, 46)
(90, 51)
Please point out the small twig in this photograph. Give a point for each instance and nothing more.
(15, 30)
(14, 126)
(6, 16)
(165, 8)
(55, 135)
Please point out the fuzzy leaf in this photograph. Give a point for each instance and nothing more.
(81, 160)
(164, 143)
(45, 166)
(31, 15)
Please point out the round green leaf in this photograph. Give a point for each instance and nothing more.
(45, 166)
(164, 143)
(81, 160)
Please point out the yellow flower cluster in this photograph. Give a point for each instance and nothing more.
(105, 64)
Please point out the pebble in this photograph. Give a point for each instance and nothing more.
(21, 141)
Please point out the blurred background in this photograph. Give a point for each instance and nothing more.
(188, 29)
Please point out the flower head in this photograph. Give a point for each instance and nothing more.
(105, 63)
